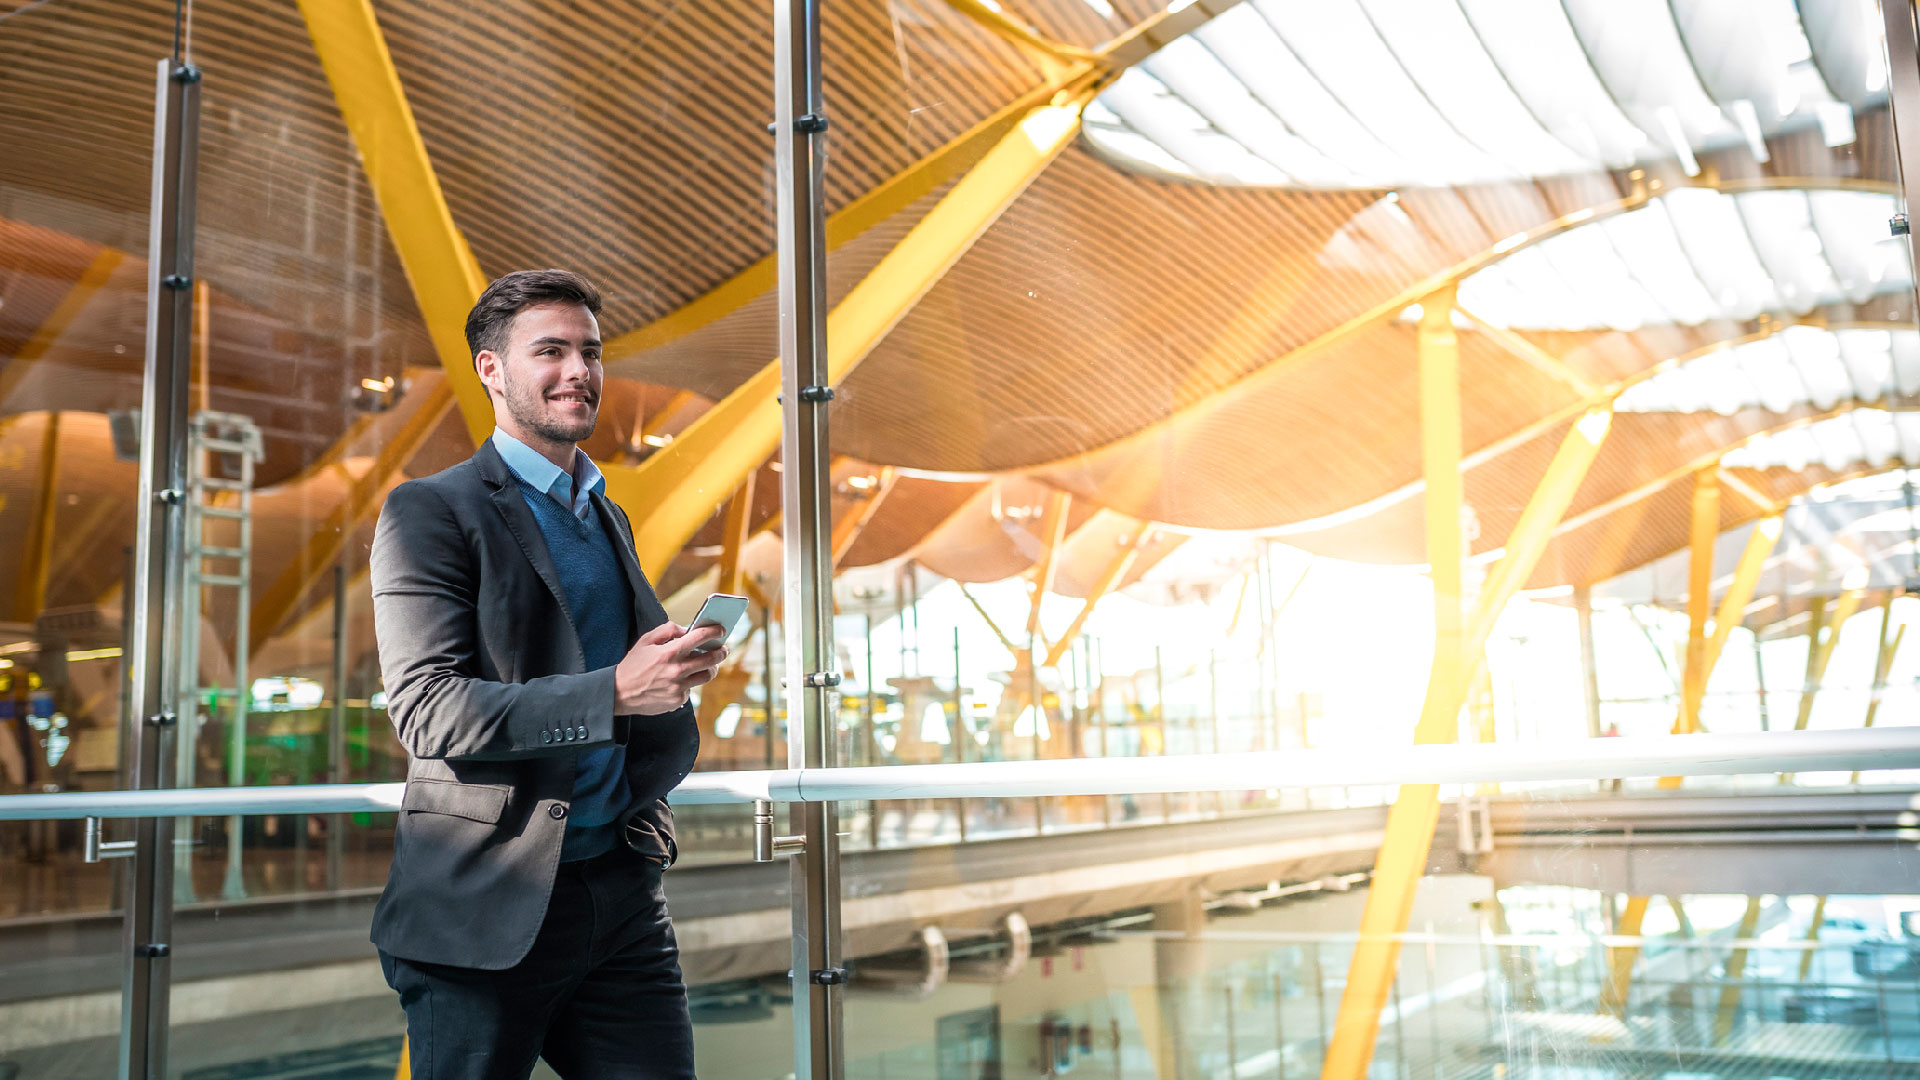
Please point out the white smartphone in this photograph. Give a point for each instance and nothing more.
(723, 610)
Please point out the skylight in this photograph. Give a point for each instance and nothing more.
(1391, 93)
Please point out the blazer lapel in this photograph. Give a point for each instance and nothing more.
(645, 616)
(525, 529)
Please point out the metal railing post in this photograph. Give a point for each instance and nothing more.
(146, 986)
(337, 729)
(799, 128)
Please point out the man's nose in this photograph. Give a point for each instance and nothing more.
(576, 368)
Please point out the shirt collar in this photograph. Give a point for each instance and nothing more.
(533, 468)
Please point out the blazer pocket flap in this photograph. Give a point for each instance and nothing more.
(475, 802)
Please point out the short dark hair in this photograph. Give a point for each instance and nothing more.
(510, 294)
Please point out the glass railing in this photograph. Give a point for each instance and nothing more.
(1111, 953)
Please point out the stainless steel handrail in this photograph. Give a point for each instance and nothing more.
(1586, 759)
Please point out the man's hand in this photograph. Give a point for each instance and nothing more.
(656, 674)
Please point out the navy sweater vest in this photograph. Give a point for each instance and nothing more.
(600, 601)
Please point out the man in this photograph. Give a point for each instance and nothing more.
(541, 694)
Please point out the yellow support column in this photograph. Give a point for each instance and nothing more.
(1621, 958)
(1736, 969)
(1705, 530)
(1733, 606)
(1823, 633)
(36, 563)
(1110, 579)
(51, 328)
(1053, 532)
(734, 535)
(850, 527)
(1457, 655)
(317, 556)
(1820, 651)
(1883, 666)
(1813, 938)
(440, 266)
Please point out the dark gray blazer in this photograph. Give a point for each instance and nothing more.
(486, 686)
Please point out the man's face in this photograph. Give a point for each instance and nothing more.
(549, 378)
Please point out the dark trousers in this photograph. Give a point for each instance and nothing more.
(599, 995)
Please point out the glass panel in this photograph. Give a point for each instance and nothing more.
(1133, 455)
(642, 171)
(76, 116)
(1518, 957)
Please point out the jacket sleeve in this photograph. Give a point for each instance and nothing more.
(426, 621)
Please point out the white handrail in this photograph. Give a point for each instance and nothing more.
(1586, 759)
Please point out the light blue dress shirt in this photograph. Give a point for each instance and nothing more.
(569, 490)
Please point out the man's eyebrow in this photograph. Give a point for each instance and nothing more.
(590, 343)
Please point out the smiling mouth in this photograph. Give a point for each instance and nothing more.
(571, 400)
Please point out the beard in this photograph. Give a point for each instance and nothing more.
(530, 408)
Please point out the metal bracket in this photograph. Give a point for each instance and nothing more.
(169, 496)
(805, 124)
(164, 718)
(185, 74)
(1897, 225)
(97, 849)
(765, 844)
(177, 282)
(158, 950)
(816, 395)
(821, 680)
(828, 976)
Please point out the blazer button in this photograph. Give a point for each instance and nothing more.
(556, 811)
(546, 735)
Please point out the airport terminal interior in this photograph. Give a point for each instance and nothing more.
(1223, 377)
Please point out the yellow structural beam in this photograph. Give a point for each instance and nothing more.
(1733, 605)
(847, 531)
(1109, 580)
(995, 20)
(51, 328)
(1705, 529)
(734, 534)
(655, 426)
(36, 562)
(903, 189)
(1053, 533)
(1813, 938)
(1005, 641)
(1826, 638)
(1440, 446)
(1883, 667)
(324, 544)
(1736, 969)
(446, 278)
(1540, 359)
(1621, 958)
(1410, 824)
(675, 491)
(1823, 633)
(1402, 859)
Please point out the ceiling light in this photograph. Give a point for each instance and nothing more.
(656, 440)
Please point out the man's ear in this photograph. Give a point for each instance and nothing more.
(486, 364)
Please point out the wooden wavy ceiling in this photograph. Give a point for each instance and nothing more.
(1134, 342)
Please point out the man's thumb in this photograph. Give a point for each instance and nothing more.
(665, 632)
